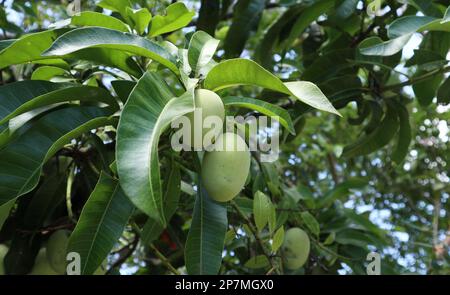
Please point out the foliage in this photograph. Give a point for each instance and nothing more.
(361, 90)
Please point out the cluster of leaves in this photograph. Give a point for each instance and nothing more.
(84, 143)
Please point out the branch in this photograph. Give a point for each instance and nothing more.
(164, 260)
(417, 79)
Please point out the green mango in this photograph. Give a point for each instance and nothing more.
(57, 250)
(225, 170)
(295, 248)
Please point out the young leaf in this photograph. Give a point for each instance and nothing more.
(205, 241)
(257, 262)
(261, 210)
(148, 112)
(101, 224)
(177, 17)
(201, 50)
(140, 19)
(278, 239)
(241, 71)
(47, 72)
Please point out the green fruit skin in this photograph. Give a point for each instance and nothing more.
(3, 251)
(211, 105)
(42, 266)
(295, 248)
(224, 172)
(57, 250)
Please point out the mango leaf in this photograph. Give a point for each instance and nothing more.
(240, 71)
(148, 112)
(152, 228)
(23, 96)
(96, 37)
(4, 212)
(341, 190)
(101, 223)
(387, 48)
(123, 88)
(306, 17)
(262, 107)
(311, 222)
(261, 207)
(177, 16)
(407, 25)
(205, 240)
(22, 159)
(201, 50)
(278, 239)
(246, 16)
(425, 90)
(91, 19)
(119, 6)
(43, 203)
(209, 16)
(377, 139)
(29, 47)
(443, 94)
(140, 19)
(47, 72)
(404, 134)
(257, 262)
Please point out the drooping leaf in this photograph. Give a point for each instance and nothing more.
(177, 16)
(341, 190)
(240, 71)
(22, 159)
(123, 88)
(201, 50)
(96, 37)
(101, 223)
(148, 112)
(404, 134)
(205, 241)
(209, 16)
(377, 139)
(262, 107)
(246, 16)
(425, 90)
(387, 48)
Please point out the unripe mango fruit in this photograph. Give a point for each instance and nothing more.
(3, 251)
(225, 169)
(295, 248)
(41, 265)
(57, 250)
(210, 104)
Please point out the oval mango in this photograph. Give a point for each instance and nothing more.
(207, 104)
(57, 250)
(225, 169)
(295, 248)
(3, 251)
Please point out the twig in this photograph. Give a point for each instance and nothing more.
(164, 260)
(255, 233)
(417, 79)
